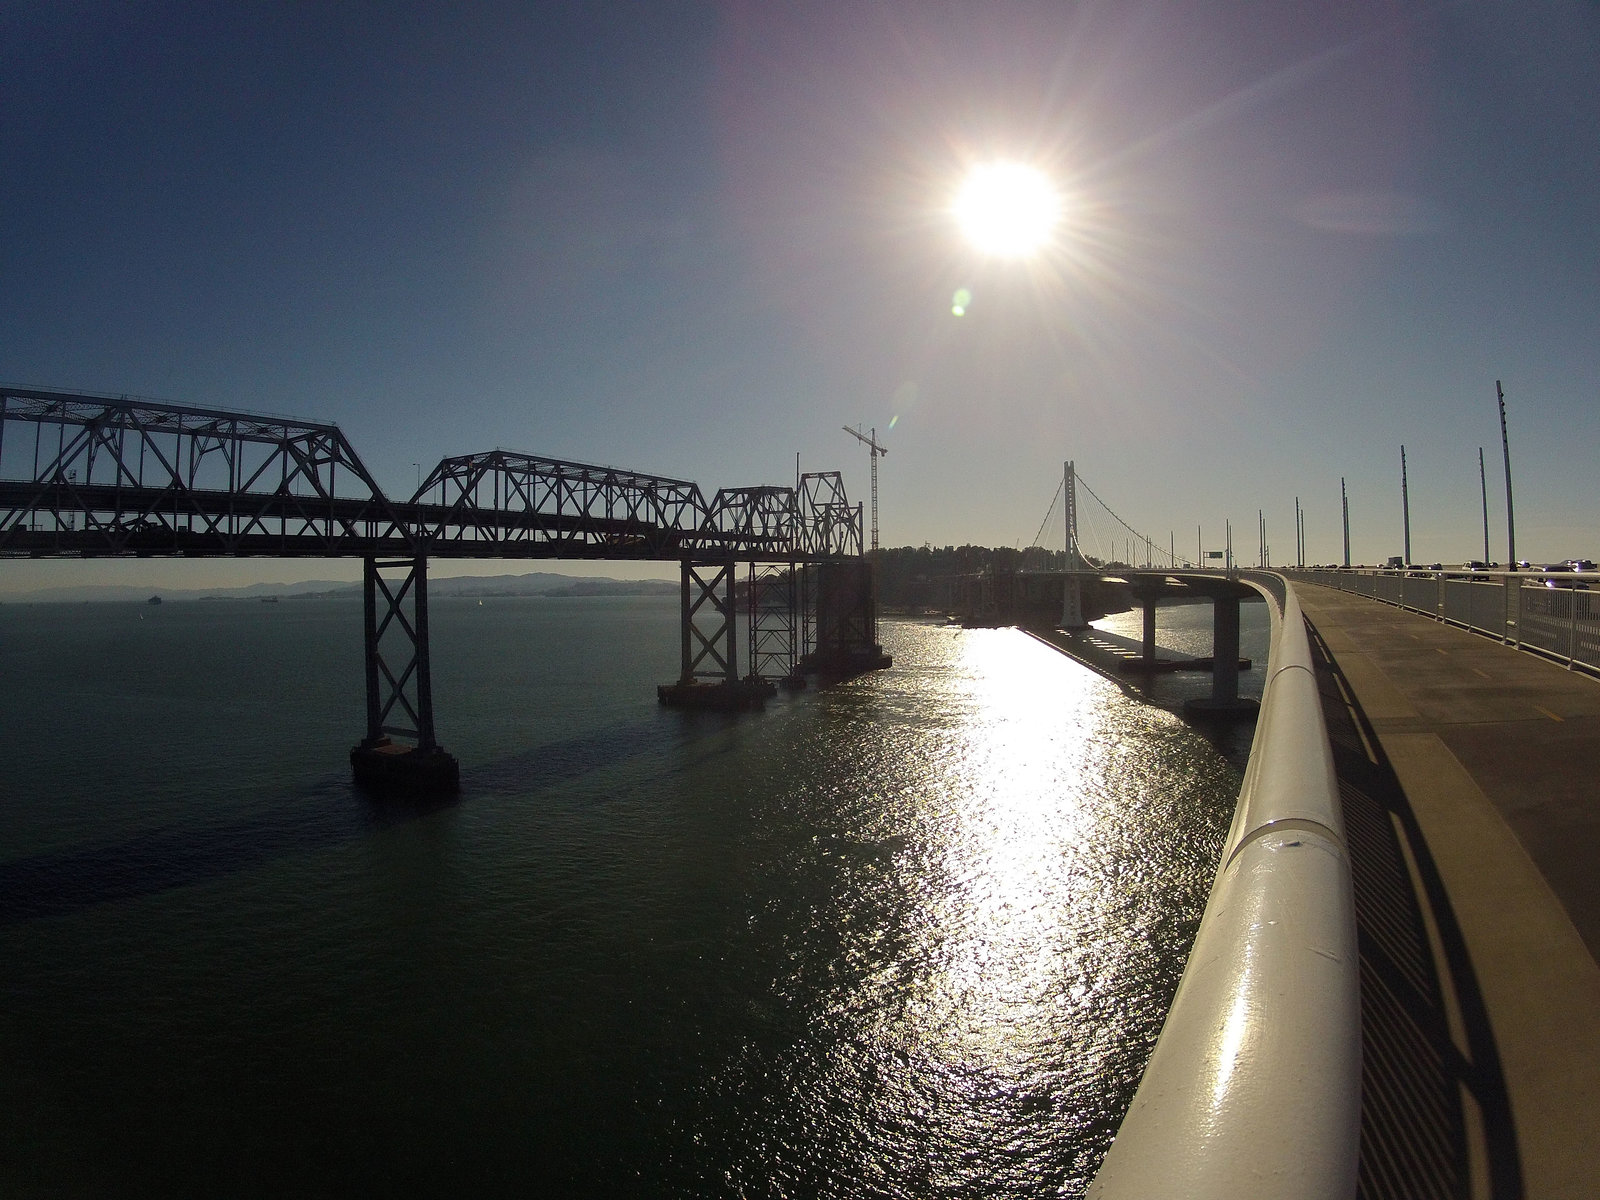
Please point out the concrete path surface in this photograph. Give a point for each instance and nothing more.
(1496, 758)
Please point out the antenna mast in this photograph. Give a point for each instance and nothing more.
(874, 451)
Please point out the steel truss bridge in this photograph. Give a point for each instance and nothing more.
(84, 476)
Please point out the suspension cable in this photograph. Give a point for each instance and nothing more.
(1049, 512)
(1148, 542)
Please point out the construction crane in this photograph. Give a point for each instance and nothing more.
(874, 451)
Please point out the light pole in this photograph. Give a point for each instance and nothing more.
(1405, 506)
(1505, 446)
(1344, 505)
(1483, 486)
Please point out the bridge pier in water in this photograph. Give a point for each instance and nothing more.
(709, 628)
(818, 619)
(1225, 596)
(847, 621)
(1224, 702)
(399, 704)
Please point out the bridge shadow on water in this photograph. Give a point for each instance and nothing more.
(329, 812)
(1435, 1116)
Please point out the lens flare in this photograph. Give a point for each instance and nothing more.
(960, 302)
(1007, 209)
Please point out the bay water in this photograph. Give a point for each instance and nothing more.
(910, 935)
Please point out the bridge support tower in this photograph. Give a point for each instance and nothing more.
(846, 599)
(776, 625)
(709, 677)
(1072, 586)
(1224, 702)
(400, 703)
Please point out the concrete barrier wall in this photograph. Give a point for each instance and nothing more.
(1254, 1087)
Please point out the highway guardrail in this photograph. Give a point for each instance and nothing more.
(1555, 614)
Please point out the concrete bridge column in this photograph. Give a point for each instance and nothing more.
(1224, 701)
(1072, 602)
(1224, 650)
(1148, 644)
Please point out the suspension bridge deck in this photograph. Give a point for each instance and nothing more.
(1467, 769)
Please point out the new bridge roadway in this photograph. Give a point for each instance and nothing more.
(1470, 774)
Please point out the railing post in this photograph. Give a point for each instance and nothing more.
(1572, 626)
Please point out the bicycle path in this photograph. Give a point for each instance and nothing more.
(1498, 754)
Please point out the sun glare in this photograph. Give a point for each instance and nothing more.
(1007, 209)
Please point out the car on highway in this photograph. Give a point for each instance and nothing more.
(1562, 568)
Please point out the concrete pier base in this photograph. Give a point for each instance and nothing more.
(384, 767)
(1213, 708)
(1224, 703)
(728, 695)
(838, 662)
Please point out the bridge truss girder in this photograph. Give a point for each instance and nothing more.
(759, 521)
(830, 526)
(138, 477)
(498, 500)
(121, 476)
(108, 476)
(499, 503)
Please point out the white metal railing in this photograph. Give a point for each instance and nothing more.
(1254, 1087)
(1552, 613)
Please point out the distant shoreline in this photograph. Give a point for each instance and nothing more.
(479, 587)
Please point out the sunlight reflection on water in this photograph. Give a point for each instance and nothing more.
(1004, 927)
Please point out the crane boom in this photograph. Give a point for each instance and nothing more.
(868, 440)
(874, 451)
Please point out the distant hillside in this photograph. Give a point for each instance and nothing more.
(126, 592)
(542, 583)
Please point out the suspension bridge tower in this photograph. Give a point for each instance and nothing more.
(1072, 587)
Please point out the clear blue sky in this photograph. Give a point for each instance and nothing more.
(696, 239)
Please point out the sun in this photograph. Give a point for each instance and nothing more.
(1007, 209)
